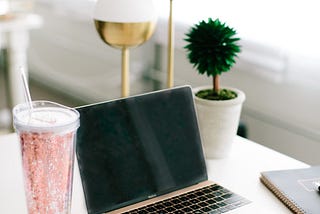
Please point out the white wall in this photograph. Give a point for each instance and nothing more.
(67, 55)
(282, 115)
(282, 106)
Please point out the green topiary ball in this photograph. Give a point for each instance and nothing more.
(212, 47)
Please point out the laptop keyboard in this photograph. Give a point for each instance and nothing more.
(211, 199)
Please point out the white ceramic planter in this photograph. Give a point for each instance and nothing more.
(218, 122)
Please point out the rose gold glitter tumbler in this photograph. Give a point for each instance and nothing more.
(47, 134)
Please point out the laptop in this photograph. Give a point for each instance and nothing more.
(143, 154)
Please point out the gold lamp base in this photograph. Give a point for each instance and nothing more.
(123, 36)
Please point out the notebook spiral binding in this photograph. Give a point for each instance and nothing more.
(289, 203)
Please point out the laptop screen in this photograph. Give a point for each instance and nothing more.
(139, 147)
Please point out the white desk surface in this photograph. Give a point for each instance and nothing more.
(239, 172)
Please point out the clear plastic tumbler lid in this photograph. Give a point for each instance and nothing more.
(45, 116)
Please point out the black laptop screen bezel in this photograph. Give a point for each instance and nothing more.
(155, 121)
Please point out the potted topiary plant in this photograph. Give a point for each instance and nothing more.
(212, 48)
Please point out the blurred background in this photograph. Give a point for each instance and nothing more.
(278, 68)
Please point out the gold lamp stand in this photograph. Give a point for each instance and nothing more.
(124, 24)
(123, 36)
(170, 75)
(125, 79)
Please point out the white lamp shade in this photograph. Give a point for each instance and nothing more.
(125, 11)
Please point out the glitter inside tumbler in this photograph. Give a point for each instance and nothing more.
(47, 136)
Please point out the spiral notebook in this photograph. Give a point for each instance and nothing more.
(296, 188)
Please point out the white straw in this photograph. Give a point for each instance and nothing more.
(26, 88)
